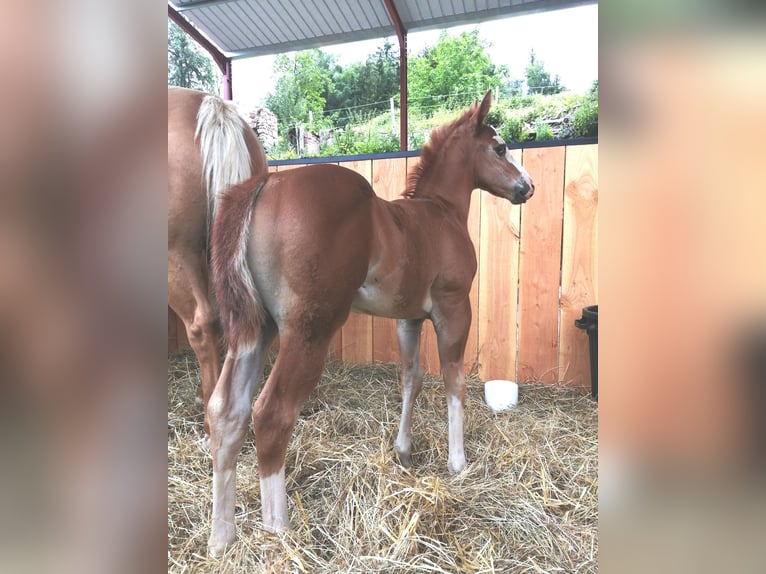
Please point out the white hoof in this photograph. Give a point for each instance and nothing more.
(456, 466)
(216, 546)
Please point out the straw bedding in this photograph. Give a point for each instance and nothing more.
(526, 502)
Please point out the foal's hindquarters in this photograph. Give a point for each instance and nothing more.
(309, 251)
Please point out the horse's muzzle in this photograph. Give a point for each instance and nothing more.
(522, 191)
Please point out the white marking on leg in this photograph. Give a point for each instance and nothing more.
(404, 438)
(229, 414)
(456, 461)
(274, 502)
(223, 531)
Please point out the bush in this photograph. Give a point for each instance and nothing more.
(543, 132)
(496, 117)
(512, 130)
(352, 142)
(585, 119)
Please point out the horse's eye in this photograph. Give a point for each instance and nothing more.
(500, 150)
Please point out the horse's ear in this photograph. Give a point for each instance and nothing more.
(483, 110)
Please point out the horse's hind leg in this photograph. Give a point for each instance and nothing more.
(188, 297)
(295, 374)
(229, 412)
(451, 325)
(408, 333)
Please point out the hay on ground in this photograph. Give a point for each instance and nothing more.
(526, 502)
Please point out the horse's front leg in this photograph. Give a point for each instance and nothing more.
(408, 333)
(452, 324)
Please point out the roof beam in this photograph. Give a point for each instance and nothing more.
(401, 34)
(223, 62)
(200, 4)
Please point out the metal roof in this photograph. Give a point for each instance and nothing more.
(244, 28)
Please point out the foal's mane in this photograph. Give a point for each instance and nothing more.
(431, 150)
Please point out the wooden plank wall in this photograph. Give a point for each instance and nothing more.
(538, 267)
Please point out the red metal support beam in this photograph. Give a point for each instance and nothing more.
(401, 34)
(223, 63)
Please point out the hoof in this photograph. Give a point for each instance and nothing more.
(405, 458)
(221, 536)
(455, 467)
(216, 551)
(216, 548)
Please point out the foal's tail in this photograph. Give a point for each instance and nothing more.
(231, 154)
(240, 305)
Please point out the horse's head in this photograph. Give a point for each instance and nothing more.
(495, 169)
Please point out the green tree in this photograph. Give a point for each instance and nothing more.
(369, 85)
(539, 80)
(189, 66)
(453, 72)
(304, 80)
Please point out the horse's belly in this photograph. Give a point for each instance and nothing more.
(371, 299)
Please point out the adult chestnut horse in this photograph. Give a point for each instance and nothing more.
(296, 251)
(209, 148)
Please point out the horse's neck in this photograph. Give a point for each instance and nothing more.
(449, 184)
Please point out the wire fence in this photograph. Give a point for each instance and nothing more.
(370, 128)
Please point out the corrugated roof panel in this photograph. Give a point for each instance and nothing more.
(203, 20)
(235, 33)
(298, 18)
(262, 34)
(257, 27)
(280, 21)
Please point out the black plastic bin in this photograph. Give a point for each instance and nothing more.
(589, 322)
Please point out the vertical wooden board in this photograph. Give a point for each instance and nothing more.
(389, 177)
(579, 260)
(172, 331)
(429, 350)
(498, 287)
(356, 334)
(388, 180)
(540, 266)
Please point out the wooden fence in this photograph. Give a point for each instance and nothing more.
(538, 267)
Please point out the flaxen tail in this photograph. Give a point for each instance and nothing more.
(239, 303)
(226, 158)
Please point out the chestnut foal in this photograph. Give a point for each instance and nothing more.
(209, 148)
(293, 253)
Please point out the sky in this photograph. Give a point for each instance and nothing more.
(565, 40)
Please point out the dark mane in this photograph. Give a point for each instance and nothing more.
(431, 150)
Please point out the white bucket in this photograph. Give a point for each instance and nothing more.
(501, 395)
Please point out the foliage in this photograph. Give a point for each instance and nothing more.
(353, 141)
(543, 132)
(370, 85)
(303, 82)
(512, 130)
(350, 104)
(189, 66)
(539, 80)
(452, 73)
(585, 120)
(593, 92)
